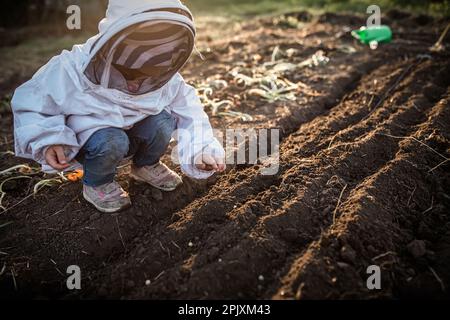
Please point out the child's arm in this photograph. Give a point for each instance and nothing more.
(40, 125)
(200, 153)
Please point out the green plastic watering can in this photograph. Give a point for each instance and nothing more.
(373, 35)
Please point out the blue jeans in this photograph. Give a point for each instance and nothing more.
(147, 142)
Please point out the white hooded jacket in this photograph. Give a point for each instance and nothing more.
(61, 106)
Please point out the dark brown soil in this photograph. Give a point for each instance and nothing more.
(362, 182)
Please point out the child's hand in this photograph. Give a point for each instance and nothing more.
(56, 158)
(207, 162)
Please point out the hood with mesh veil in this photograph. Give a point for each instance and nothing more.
(144, 43)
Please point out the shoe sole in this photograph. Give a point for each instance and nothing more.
(105, 210)
(155, 186)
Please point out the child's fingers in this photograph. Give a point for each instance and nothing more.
(53, 161)
(220, 164)
(61, 157)
(210, 161)
(199, 163)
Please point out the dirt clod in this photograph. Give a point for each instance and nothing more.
(417, 248)
(157, 195)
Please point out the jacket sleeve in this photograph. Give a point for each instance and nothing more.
(38, 120)
(194, 133)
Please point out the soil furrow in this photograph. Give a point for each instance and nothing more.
(101, 233)
(366, 233)
(245, 217)
(350, 190)
(261, 257)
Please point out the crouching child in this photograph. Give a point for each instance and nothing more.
(120, 95)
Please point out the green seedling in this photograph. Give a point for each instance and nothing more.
(280, 89)
(5, 224)
(287, 22)
(36, 189)
(206, 91)
(217, 104)
(273, 94)
(46, 183)
(7, 153)
(275, 53)
(243, 116)
(213, 104)
(22, 168)
(317, 60)
(283, 67)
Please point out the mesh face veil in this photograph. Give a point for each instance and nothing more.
(143, 57)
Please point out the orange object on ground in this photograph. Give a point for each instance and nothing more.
(75, 176)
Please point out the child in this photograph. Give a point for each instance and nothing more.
(119, 95)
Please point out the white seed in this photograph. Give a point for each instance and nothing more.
(147, 282)
(261, 278)
(190, 244)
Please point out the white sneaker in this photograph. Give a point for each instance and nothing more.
(158, 176)
(108, 198)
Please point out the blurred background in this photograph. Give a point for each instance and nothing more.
(24, 13)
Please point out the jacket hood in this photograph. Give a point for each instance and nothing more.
(122, 17)
(119, 9)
